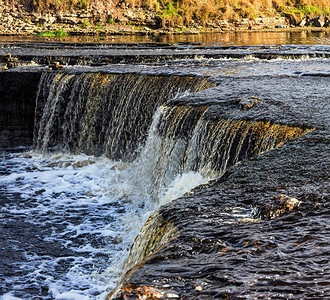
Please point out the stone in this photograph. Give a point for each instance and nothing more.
(319, 22)
(248, 103)
(303, 22)
(55, 66)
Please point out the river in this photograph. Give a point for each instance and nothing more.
(116, 141)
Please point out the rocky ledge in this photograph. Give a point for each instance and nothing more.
(110, 20)
(258, 232)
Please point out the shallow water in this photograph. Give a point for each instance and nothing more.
(225, 39)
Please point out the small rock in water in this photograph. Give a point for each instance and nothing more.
(248, 103)
(118, 239)
(55, 66)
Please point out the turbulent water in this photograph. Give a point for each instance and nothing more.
(69, 220)
(114, 143)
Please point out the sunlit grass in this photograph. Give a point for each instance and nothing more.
(56, 33)
(189, 12)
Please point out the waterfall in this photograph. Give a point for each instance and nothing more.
(129, 117)
(100, 113)
(183, 139)
(169, 149)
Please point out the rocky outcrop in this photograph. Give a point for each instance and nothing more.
(250, 232)
(124, 19)
(211, 242)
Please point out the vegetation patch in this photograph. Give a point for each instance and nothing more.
(56, 33)
(183, 13)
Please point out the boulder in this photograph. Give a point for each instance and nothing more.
(319, 22)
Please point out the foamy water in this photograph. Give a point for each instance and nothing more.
(92, 207)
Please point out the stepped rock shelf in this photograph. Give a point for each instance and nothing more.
(253, 121)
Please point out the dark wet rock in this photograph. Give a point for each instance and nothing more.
(211, 245)
(319, 22)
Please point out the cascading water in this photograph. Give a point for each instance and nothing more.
(103, 114)
(187, 140)
(92, 207)
(86, 210)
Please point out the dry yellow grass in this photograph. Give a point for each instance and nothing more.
(188, 12)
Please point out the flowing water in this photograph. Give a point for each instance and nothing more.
(113, 143)
(69, 220)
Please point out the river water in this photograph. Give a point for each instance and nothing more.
(68, 220)
(225, 39)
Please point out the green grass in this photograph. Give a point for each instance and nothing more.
(111, 21)
(85, 24)
(169, 10)
(311, 10)
(57, 33)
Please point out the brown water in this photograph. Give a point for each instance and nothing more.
(228, 38)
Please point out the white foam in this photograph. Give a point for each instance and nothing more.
(95, 211)
(9, 296)
(181, 185)
(94, 208)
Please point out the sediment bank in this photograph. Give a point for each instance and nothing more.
(112, 19)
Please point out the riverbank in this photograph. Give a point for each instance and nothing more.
(114, 20)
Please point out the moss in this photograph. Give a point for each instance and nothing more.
(85, 24)
(58, 33)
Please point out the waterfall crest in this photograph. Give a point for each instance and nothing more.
(184, 139)
(101, 113)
